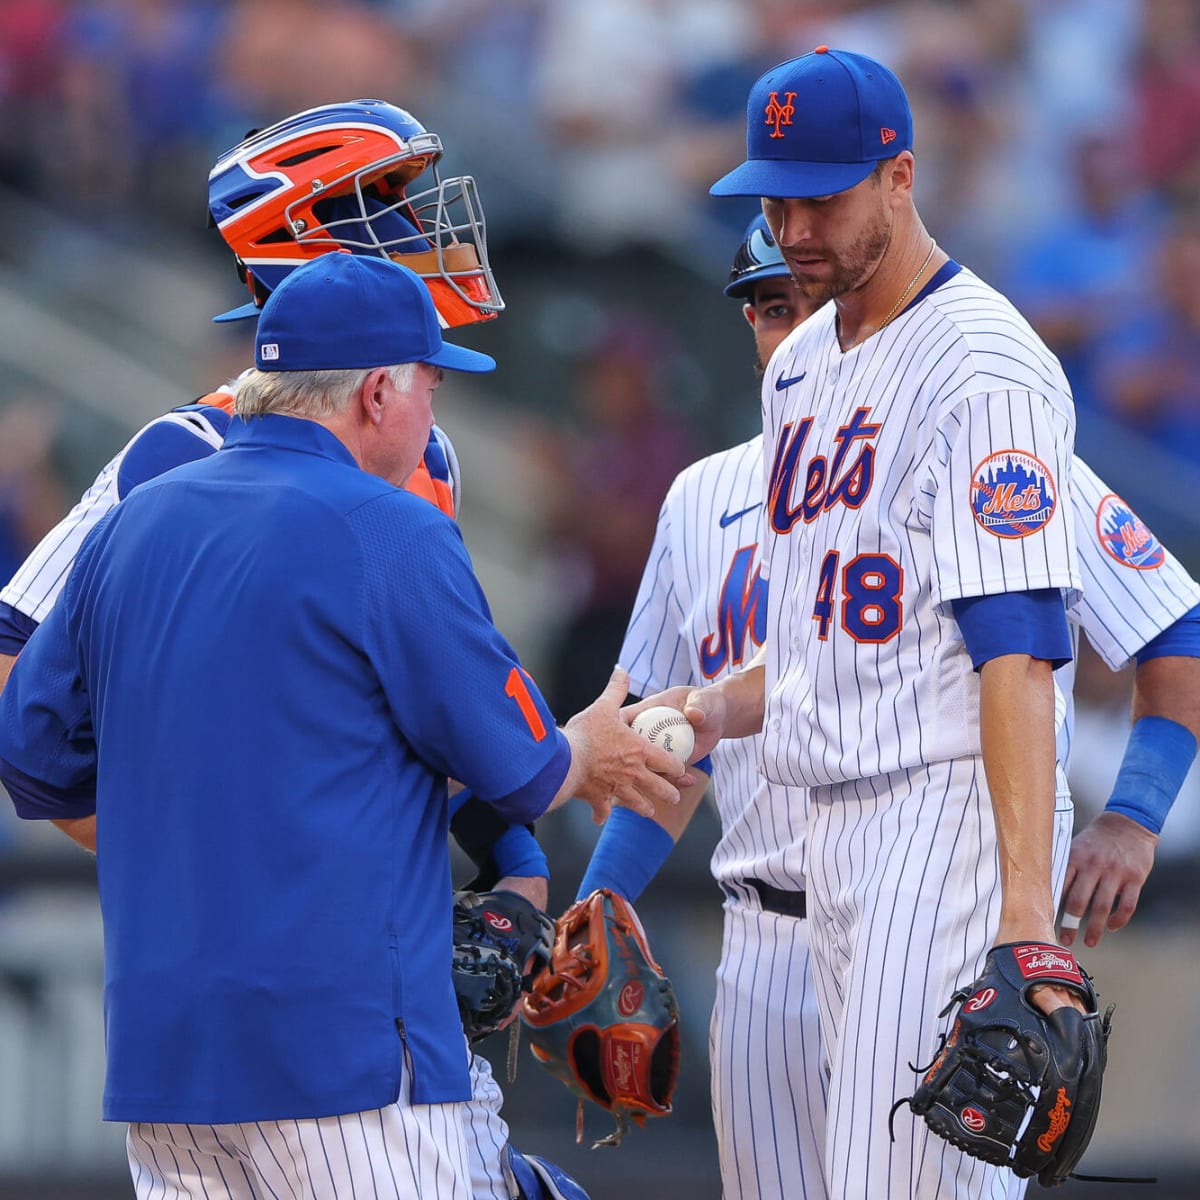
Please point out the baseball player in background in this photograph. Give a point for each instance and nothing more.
(372, 200)
(272, 957)
(917, 440)
(701, 614)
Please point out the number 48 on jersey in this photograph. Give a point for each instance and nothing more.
(869, 591)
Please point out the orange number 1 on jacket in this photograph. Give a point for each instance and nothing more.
(517, 689)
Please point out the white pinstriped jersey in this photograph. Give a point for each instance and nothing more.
(38, 581)
(928, 464)
(1133, 587)
(700, 614)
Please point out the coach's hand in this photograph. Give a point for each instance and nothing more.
(705, 708)
(1110, 861)
(609, 762)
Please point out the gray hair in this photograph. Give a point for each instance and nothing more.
(311, 394)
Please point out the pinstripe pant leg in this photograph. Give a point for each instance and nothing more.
(186, 1162)
(401, 1152)
(904, 870)
(767, 1064)
(486, 1134)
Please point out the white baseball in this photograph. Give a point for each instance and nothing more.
(668, 728)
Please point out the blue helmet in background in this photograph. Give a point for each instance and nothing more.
(758, 257)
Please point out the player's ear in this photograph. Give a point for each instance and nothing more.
(899, 174)
(750, 313)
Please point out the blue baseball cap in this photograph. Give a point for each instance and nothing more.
(344, 311)
(817, 125)
(758, 257)
(383, 227)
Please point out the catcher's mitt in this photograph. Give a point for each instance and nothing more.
(603, 1018)
(501, 942)
(1005, 1061)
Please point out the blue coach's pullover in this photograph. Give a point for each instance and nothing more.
(261, 671)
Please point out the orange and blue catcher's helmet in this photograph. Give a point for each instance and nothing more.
(341, 177)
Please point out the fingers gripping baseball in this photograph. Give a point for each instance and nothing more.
(703, 707)
(1110, 861)
(610, 763)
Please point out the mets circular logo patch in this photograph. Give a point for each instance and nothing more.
(1126, 537)
(1012, 494)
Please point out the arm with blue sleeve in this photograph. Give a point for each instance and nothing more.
(1014, 640)
(632, 848)
(458, 692)
(1113, 856)
(629, 854)
(47, 744)
(503, 853)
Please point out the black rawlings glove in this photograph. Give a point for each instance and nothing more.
(603, 1020)
(1004, 1057)
(501, 943)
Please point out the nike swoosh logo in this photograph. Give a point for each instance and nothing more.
(781, 384)
(727, 518)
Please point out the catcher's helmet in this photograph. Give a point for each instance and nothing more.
(757, 258)
(338, 177)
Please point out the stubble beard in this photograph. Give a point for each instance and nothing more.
(852, 269)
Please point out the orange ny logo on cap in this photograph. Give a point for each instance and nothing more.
(780, 114)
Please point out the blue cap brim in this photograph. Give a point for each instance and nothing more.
(785, 178)
(243, 313)
(459, 358)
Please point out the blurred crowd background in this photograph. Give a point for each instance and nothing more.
(1058, 155)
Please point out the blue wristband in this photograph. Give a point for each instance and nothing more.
(516, 852)
(1157, 760)
(628, 854)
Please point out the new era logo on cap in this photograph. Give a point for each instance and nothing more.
(818, 124)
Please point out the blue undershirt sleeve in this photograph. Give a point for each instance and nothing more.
(1033, 623)
(1181, 640)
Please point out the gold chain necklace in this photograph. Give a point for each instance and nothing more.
(900, 301)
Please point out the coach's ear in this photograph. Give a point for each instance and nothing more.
(372, 395)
